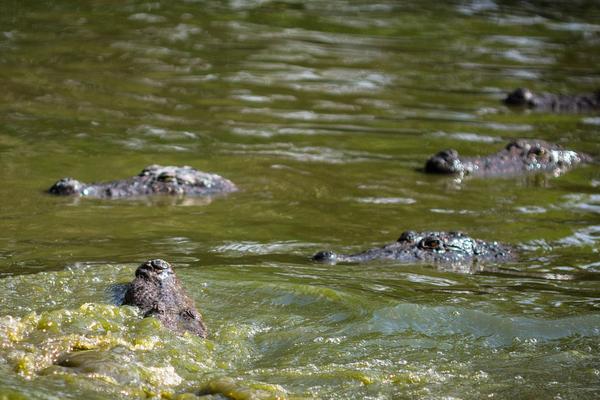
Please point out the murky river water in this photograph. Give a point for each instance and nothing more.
(322, 112)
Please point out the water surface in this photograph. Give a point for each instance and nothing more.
(322, 112)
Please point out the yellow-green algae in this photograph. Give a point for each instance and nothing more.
(324, 342)
(109, 348)
(118, 350)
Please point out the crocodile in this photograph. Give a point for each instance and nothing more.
(549, 102)
(158, 293)
(154, 179)
(450, 248)
(519, 157)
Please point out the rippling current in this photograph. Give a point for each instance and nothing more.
(323, 113)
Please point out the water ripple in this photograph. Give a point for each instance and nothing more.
(495, 330)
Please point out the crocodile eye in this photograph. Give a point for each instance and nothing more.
(187, 314)
(538, 151)
(430, 243)
(166, 177)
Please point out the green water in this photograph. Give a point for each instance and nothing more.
(322, 112)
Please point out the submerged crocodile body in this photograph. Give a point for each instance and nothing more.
(430, 247)
(154, 179)
(553, 102)
(158, 293)
(519, 157)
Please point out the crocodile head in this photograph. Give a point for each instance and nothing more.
(67, 187)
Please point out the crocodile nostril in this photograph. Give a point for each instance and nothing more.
(408, 236)
(325, 256)
(154, 268)
(519, 97)
(159, 264)
(66, 187)
(444, 162)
